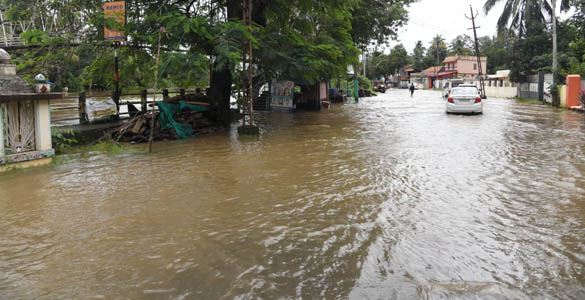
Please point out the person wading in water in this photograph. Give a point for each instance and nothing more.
(411, 89)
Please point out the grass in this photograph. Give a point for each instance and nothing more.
(528, 101)
(106, 145)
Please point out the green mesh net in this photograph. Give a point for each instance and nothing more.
(166, 119)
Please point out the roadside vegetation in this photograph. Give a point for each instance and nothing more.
(65, 142)
(528, 101)
(201, 44)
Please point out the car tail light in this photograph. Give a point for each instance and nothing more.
(477, 100)
(450, 100)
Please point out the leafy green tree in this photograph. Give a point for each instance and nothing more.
(461, 45)
(399, 58)
(379, 65)
(384, 65)
(576, 40)
(436, 52)
(418, 56)
(527, 52)
(498, 50)
(377, 20)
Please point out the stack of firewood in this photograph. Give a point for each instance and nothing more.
(137, 130)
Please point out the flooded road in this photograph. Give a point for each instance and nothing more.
(389, 198)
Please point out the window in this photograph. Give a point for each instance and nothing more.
(474, 67)
(465, 91)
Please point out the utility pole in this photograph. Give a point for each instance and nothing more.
(248, 83)
(438, 62)
(156, 78)
(116, 95)
(247, 79)
(479, 66)
(365, 63)
(244, 51)
(356, 87)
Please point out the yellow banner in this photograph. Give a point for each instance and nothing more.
(117, 11)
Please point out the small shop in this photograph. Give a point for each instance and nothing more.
(288, 96)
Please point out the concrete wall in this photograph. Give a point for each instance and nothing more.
(8, 70)
(501, 92)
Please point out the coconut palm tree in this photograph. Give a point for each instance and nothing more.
(518, 13)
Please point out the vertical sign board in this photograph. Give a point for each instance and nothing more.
(117, 11)
(323, 91)
(282, 96)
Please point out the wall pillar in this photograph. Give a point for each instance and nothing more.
(2, 153)
(43, 125)
(573, 90)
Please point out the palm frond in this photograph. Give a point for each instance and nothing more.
(505, 16)
(489, 4)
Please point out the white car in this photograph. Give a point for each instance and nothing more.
(465, 99)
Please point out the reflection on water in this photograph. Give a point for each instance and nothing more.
(387, 198)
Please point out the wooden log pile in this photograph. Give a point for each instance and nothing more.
(137, 129)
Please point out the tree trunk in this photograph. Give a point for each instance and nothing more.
(220, 86)
(219, 93)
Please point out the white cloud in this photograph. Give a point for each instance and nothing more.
(447, 18)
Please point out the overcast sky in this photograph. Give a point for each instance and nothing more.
(447, 18)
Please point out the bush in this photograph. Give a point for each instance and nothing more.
(365, 83)
(556, 99)
(62, 139)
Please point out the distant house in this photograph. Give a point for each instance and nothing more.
(500, 79)
(436, 73)
(464, 67)
(418, 79)
(500, 86)
(405, 74)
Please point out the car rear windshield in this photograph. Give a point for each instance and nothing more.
(464, 91)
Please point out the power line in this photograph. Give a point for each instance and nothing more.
(433, 27)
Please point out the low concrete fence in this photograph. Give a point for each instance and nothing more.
(501, 92)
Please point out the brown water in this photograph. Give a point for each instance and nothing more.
(386, 199)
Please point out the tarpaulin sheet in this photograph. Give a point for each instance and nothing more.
(166, 119)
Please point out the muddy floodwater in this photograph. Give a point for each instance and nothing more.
(389, 198)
